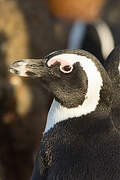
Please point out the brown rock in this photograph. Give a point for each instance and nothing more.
(85, 10)
(27, 30)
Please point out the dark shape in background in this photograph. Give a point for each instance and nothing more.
(111, 16)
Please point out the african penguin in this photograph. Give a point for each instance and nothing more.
(112, 65)
(80, 141)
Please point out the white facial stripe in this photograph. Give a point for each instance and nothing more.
(59, 113)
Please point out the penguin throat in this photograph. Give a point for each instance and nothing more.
(59, 113)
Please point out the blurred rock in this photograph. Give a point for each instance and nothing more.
(26, 30)
(85, 10)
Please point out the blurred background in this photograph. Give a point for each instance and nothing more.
(32, 29)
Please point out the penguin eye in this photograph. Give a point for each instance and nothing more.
(66, 69)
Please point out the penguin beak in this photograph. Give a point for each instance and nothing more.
(29, 67)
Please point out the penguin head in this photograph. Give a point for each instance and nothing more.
(76, 78)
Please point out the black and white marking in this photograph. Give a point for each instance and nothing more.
(59, 113)
(105, 37)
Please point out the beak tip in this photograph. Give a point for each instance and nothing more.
(13, 70)
(18, 67)
(27, 67)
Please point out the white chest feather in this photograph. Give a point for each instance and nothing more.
(58, 113)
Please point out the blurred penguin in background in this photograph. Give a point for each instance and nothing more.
(112, 65)
(96, 30)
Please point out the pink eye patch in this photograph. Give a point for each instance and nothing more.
(65, 66)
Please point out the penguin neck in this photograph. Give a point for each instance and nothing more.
(72, 119)
(80, 114)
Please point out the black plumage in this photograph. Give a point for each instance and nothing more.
(112, 65)
(69, 153)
